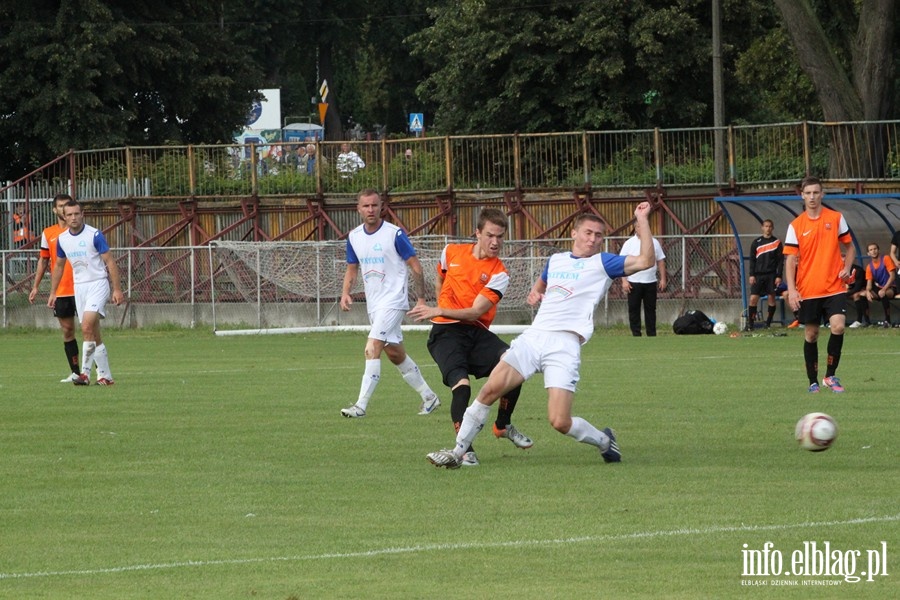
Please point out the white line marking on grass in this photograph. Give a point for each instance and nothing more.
(457, 546)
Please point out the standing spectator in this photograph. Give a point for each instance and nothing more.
(93, 270)
(386, 256)
(312, 158)
(64, 307)
(349, 162)
(856, 294)
(880, 277)
(766, 260)
(816, 278)
(471, 280)
(21, 228)
(301, 159)
(641, 287)
(568, 290)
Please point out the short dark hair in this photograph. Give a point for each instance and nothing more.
(769, 221)
(810, 180)
(492, 215)
(60, 197)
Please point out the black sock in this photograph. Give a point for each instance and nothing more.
(72, 355)
(862, 307)
(835, 343)
(507, 406)
(771, 315)
(811, 356)
(751, 316)
(458, 405)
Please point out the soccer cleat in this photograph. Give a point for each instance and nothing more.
(469, 459)
(429, 405)
(612, 454)
(855, 325)
(82, 380)
(834, 383)
(886, 324)
(813, 388)
(519, 439)
(105, 381)
(70, 379)
(444, 458)
(794, 325)
(353, 412)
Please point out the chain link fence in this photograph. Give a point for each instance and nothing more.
(270, 285)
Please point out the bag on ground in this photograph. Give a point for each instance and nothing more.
(693, 322)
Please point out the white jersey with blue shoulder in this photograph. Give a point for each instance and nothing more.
(575, 285)
(381, 256)
(83, 250)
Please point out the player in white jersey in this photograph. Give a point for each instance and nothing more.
(385, 256)
(94, 272)
(568, 290)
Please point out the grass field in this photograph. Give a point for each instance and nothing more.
(221, 468)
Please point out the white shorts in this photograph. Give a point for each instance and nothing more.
(556, 354)
(92, 297)
(386, 325)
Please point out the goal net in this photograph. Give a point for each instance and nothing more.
(275, 287)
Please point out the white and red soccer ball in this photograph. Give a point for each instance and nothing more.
(816, 432)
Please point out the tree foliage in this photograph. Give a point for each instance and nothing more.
(94, 74)
(97, 73)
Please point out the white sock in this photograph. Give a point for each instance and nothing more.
(370, 379)
(411, 375)
(472, 423)
(87, 357)
(102, 360)
(584, 432)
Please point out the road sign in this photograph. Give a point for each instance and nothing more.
(323, 91)
(416, 122)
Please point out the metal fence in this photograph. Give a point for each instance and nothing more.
(294, 284)
(734, 156)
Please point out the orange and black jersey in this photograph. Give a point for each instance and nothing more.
(465, 277)
(766, 256)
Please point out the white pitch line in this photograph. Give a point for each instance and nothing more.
(452, 546)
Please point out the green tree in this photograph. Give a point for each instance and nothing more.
(520, 66)
(848, 50)
(94, 74)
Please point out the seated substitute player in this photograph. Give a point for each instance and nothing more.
(471, 280)
(568, 290)
(64, 307)
(95, 272)
(386, 256)
(880, 278)
(766, 261)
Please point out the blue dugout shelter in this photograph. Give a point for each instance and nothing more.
(871, 217)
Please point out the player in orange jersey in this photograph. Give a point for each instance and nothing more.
(471, 280)
(816, 277)
(64, 307)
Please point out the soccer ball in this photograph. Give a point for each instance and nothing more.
(720, 328)
(816, 432)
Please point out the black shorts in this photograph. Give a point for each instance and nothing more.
(764, 286)
(814, 310)
(460, 350)
(64, 307)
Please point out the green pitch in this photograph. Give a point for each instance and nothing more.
(221, 468)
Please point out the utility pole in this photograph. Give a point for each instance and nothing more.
(718, 93)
